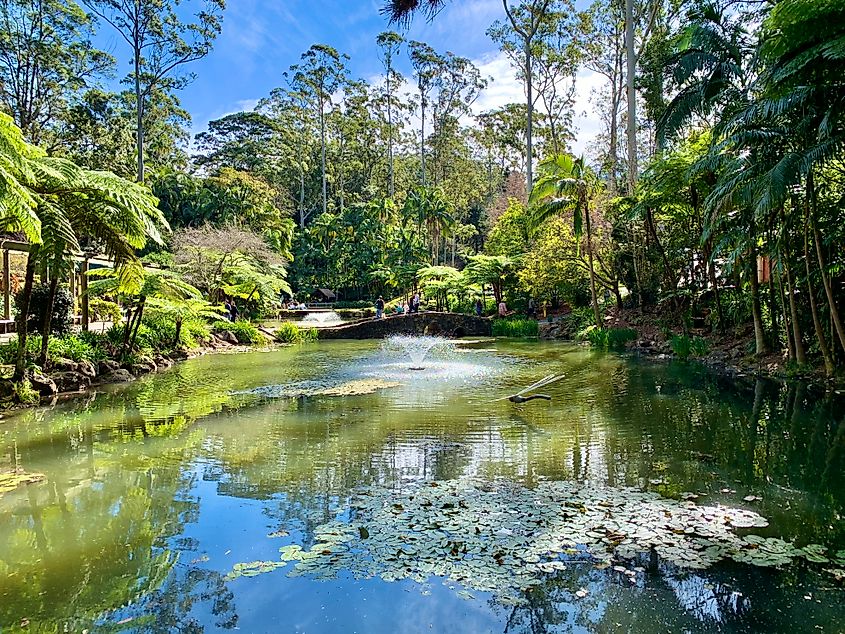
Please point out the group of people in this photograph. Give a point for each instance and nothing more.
(294, 305)
(231, 310)
(401, 308)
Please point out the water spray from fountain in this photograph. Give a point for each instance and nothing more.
(322, 319)
(417, 348)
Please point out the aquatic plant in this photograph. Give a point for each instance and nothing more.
(289, 332)
(515, 327)
(685, 347)
(608, 338)
(502, 538)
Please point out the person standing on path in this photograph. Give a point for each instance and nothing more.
(503, 309)
(478, 308)
(379, 307)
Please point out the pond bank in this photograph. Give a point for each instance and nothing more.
(68, 378)
(730, 355)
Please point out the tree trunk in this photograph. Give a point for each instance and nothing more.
(139, 114)
(790, 344)
(391, 187)
(529, 149)
(632, 95)
(323, 152)
(422, 138)
(20, 361)
(823, 347)
(595, 300)
(797, 338)
(48, 320)
(613, 151)
(137, 324)
(178, 333)
(817, 238)
(302, 214)
(760, 346)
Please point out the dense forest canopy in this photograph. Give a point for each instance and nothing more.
(714, 188)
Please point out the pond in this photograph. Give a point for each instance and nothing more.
(330, 488)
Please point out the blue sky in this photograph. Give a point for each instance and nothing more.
(262, 38)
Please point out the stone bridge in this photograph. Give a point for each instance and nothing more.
(427, 323)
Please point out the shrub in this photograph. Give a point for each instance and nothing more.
(608, 338)
(685, 347)
(288, 332)
(104, 310)
(90, 347)
(62, 305)
(515, 327)
(87, 346)
(353, 305)
(245, 332)
(580, 319)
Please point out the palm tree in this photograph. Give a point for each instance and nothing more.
(161, 286)
(568, 184)
(710, 68)
(489, 269)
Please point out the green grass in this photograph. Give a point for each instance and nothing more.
(515, 327)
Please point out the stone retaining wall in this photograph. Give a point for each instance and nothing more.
(427, 323)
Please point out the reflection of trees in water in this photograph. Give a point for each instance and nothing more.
(725, 598)
(300, 451)
(94, 536)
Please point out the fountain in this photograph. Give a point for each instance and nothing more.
(321, 319)
(417, 348)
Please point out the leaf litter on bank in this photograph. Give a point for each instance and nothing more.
(504, 538)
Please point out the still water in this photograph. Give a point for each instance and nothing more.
(153, 492)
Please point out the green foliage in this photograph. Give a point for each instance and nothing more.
(104, 310)
(86, 346)
(608, 338)
(685, 347)
(515, 327)
(289, 332)
(62, 318)
(352, 305)
(245, 331)
(83, 347)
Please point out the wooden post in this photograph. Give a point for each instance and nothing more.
(83, 287)
(7, 286)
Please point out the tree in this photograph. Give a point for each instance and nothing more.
(161, 41)
(568, 184)
(56, 203)
(490, 269)
(155, 286)
(46, 59)
(425, 62)
(525, 21)
(389, 43)
(321, 73)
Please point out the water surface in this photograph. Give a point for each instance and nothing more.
(154, 491)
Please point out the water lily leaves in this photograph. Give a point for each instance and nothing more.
(254, 568)
(815, 553)
(503, 538)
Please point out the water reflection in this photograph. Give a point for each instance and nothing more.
(145, 481)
